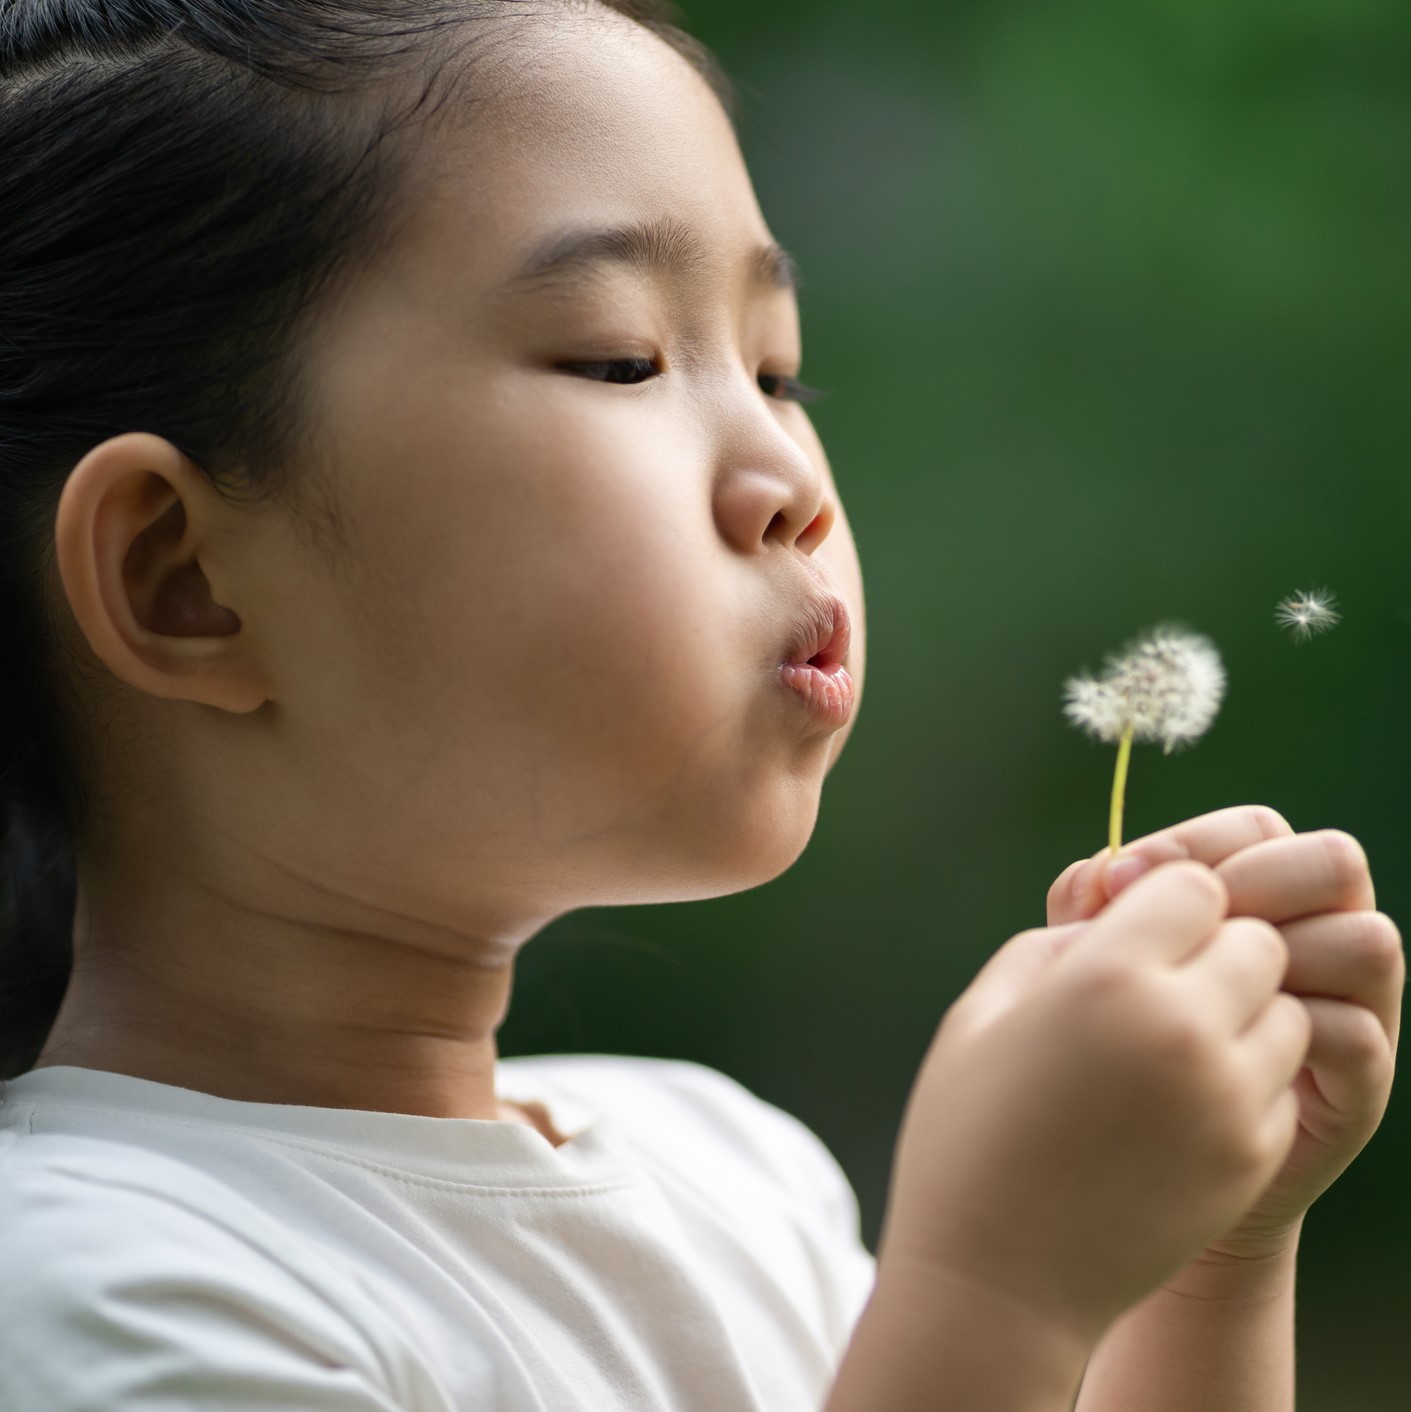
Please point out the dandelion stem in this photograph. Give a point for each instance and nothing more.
(1119, 792)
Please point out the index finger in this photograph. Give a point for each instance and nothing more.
(1085, 888)
(1209, 839)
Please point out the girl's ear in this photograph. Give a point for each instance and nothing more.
(139, 534)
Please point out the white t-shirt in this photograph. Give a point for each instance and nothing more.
(690, 1248)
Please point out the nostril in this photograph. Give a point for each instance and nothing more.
(776, 524)
(817, 529)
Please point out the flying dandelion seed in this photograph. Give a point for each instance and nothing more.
(1307, 613)
(1165, 685)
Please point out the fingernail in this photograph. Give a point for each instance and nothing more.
(1124, 871)
(1085, 879)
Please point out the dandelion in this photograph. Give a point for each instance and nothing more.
(1306, 613)
(1165, 685)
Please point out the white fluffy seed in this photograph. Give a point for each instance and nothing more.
(1165, 685)
(1306, 613)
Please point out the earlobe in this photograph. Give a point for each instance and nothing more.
(135, 518)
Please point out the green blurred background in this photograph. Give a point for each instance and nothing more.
(1113, 303)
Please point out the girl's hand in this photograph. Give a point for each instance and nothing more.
(1345, 963)
(1101, 1103)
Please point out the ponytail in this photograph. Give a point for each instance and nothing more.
(40, 796)
(37, 891)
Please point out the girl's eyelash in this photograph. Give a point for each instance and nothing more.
(794, 390)
(644, 366)
(776, 385)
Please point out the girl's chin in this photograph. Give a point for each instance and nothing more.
(756, 857)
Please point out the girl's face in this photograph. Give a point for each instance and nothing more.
(583, 526)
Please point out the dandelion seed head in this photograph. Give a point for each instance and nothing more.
(1165, 685)
(1306, 613)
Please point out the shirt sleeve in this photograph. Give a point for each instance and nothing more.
(847, 1268)
(810, 1184)
(116, 1299)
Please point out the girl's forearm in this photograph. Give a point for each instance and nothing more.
(928, 1341)
(1216, 1338)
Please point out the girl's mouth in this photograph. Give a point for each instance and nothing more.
(826, 691)
(814, 667)
(823, 634)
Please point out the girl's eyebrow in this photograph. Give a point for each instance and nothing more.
(574, 257)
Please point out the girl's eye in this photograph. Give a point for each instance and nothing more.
(618, 370)
(629, 371)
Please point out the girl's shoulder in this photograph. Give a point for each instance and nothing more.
(112, 1250)
(697, 1119)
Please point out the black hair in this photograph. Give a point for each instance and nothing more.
(182, 182)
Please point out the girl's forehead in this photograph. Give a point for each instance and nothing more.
(603, 126)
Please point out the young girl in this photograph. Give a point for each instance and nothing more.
(411, 534)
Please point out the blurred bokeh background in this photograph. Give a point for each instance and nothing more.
(1113, 301)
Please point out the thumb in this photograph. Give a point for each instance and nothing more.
(1010, 973)
(1077, 894)
(1083, 889)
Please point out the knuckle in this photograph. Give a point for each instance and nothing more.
(1235, 1127)
(1183, 1038)
(1379, 946)
(1268, 823)
(1229, 1098)
(1113, 988)
(1270, 1131)
(1365, 1039)
(1344, 858)
(1256, 1145)
(1041, 942)
(1297, 1018)
(1281, 1128)
(1378, 1073)
(1107, 978)
(1265, 940)
(1204, 882)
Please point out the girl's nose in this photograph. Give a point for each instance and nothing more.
(768, 489)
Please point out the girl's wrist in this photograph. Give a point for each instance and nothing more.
(1249, 1271)
(1218, 1335)
(926, 1284)
(932, 1337)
